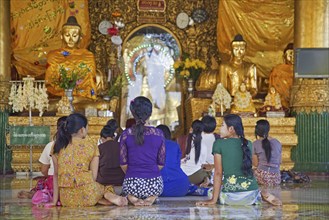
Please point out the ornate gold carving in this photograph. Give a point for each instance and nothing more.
(4, 93)
(310, 95)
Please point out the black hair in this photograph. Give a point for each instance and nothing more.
(262, 129)
(109, 129)
(60, 121)
(236, 122)
(166, 131)
(195, 138)
(209, 123)
(74, 122)
(141, 108)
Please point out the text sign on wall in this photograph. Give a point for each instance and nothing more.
(29, 135)
(151, 5)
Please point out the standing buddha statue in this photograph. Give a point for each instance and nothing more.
(70, 57)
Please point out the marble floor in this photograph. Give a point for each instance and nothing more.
(300, 201)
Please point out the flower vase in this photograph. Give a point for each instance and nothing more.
(69, 95)
(190, 87)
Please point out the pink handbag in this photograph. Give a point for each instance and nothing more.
(42, 196)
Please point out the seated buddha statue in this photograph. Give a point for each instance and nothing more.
(70, 57)
(282, 75)
(273, 100)
(242, 102)
(237, 71)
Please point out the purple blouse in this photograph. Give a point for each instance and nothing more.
(143, 160)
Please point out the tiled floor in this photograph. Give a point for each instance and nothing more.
(300, 201)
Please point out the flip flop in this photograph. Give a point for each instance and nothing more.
(272, 200)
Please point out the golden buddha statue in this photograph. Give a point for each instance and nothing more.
(70, 57)
(273, 100)
(282, 76)
(237, 71)
(208, 80)
(242, 101)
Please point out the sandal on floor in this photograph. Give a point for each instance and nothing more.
(272, 200)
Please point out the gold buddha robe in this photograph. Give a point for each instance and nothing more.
(281, 78)
(231, 77)
(71, 58)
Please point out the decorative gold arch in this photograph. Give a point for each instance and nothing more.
(151, 25)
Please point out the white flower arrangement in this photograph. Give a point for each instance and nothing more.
(221, 97)
(28, 94)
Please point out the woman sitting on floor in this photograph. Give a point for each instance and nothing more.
(142, 156)
(175, 181)
(76, 162)
(196, 154)
(266, 157)
(109, 172)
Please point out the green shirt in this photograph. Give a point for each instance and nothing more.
(234, 180)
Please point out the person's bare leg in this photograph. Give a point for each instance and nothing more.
(115, 199)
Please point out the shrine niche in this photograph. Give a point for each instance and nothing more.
(149, 53)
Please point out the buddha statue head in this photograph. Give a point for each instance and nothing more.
(288, 54)
(238, 47)
(71, 33)
(243, 88)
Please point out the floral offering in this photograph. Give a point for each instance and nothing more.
(189, 68)
(71, 78)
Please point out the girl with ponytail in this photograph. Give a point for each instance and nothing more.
(76, 161)
(196, 155)
(142, 155)
(266, 156)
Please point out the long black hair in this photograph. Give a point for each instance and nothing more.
(262, 129)
(195, 138)
(109, 129)
(74, 122)
(141, 108)
(236, 122)
(165, 130)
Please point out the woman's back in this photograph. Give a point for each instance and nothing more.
(234, 179)
(276, 149)
(110, 172)
(142, 160)
(74, 161)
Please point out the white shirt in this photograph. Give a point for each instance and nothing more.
(208, 140)
(189, 166)
(46, 159)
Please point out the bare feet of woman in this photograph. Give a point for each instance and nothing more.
(205, 182)
(134, 200)
(115, 199)
(25, 194)
(271, 199)
(150, 200)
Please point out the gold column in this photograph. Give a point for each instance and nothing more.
(5, 52)
(311, 30)
(311, 23)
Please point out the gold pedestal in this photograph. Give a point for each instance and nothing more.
(21, 154)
